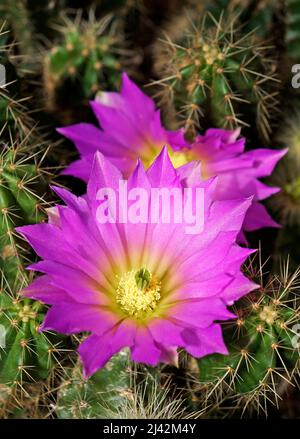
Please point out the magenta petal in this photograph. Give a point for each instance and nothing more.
(84, 135)
(210, 341)
(169, 356)
(140, 103)
(239, 287)
(80, 287)
(190, 173)
(200, 314)
(80, 168)
(139, 178)
(176, 139)
(41, 289)
(162, 173)
(145, 350)
(71, 318)
(70, 199)
(265, 160)
(96, 351)
(258, 217)
(104, 175)
(166, 333)
(45, 239)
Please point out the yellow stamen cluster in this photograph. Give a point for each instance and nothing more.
(179, 158)
(268, 315)
(138, 296)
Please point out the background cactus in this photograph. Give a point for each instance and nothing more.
(89, 56)
(252, 14)
(263, 351)
(285, 205)
(217, 75)
(17, 15)
(15, 120)
(106, 390)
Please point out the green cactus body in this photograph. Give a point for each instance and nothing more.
(86, 55)
(28, 357)
(215, 72)
(27, 354)
(14, 116)
(121, 390)
(20, 184)
(106, 391)
(262, 350)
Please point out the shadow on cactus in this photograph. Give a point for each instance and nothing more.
(216, 72)
(263, 360)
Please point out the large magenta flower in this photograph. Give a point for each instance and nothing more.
(149, 286)
(131, 129)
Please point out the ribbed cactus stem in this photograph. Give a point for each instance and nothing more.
(214, 72)
(86, 54)
(262, 351)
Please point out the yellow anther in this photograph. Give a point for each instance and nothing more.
(138, 293)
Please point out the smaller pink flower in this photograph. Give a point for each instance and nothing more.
(222, 153)
(131, 129)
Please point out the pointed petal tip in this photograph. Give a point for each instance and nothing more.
(22, 230)
(54, 188)
(42, 327)
(98, 159)
(164, 154)
(283, 152)
(60, 130)
(125, 77)
(254, 286)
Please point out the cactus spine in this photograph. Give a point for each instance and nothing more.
(120, 391)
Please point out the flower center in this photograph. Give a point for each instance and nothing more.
(138, 293)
